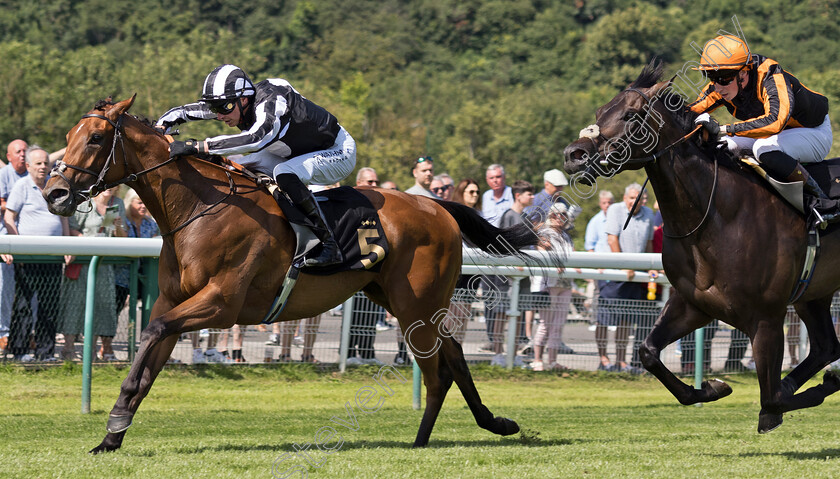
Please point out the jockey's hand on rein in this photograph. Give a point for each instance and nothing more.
(710, 125)
(189, 147)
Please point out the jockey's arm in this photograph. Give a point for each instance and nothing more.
(183, 114)
(708, 100)
(267, 127)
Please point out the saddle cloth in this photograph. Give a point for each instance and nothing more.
(355, 225)
(353, 219)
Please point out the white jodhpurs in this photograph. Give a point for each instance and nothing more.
(322, 167)
(808, 145)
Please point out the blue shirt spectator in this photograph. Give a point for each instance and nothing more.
(596, 233)
(553, 183)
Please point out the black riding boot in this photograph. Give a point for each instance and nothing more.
(305, 201)
(822, 209)
(808, 183)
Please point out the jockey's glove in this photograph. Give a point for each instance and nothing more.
(189, 147)
(709, 124)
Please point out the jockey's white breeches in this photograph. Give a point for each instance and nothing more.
(808, 145)
(322, 167)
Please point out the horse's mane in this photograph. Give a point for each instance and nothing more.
(683, 116)
(103, 105)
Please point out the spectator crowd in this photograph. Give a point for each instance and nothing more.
(42, 304)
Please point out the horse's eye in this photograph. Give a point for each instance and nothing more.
(95, 139)
(629, 116)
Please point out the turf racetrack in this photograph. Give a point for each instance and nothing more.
(243, 422)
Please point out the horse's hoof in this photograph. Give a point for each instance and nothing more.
(117, 424)
(504, 426)
(112, 442)
(831, 381)
(103, 447)
(768, 422)
(716, 389)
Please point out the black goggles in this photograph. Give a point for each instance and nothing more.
(221, 108)
(723, 78)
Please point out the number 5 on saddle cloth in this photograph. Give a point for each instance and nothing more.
(355, 225)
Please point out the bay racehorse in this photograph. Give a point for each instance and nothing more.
(733, 250)
(227, 247)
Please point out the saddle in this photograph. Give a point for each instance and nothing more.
(825, 173)
(354, 222)
(352, 217)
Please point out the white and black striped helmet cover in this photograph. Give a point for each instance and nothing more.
(226, 81)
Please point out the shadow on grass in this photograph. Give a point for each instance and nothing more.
(824, 454)
(444, 444)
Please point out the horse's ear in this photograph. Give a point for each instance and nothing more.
(123, 106)
(659, 87)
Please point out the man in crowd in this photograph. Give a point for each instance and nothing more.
(553, 183)
(499, 198)
(14, 170)
(423, 172)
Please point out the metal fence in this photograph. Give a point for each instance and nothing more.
(48, 302)
(49, 309)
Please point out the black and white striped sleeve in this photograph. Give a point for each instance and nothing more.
(183, 114)
(267, 127)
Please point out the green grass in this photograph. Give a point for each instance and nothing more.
(235, 422)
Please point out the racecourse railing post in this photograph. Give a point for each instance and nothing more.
(417, 402)
(344, 345)
(87, 354)
(132, 309)
(803, 340)
(150, 293)
(698, 359)
(513, 320)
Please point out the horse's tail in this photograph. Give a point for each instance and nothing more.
(490, 239)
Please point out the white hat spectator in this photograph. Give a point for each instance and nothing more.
(555, 177)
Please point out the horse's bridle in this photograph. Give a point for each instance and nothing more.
(667, 149)
(99, 186)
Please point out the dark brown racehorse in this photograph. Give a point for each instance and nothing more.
(226, 262)
(733, 250)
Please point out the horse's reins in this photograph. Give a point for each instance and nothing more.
(659, 154)
(97, 187)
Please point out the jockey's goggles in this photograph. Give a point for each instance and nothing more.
(723, 77)
(221, 108)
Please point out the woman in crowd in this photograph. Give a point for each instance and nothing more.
(138, 225)
(466, 193)
(549, 336)
(106, 217)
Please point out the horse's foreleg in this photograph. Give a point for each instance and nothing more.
(678, 319)
(207, 309)
(768, 350)
(120, 417)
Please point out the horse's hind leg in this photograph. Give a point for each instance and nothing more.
(678, 318)
(824, 349)
(438, 381)
(454, 357)
(824, 345)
